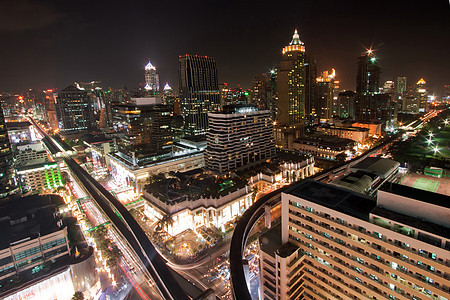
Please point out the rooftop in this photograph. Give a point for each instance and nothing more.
(358, 181)
(326, 140)
(17, 125)
(28, 217)
(270, 241)
(417, 194)
(418, 223)
(380, 166)
(353, 204)
(287, 250)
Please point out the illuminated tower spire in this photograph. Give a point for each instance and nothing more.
(151, 78)
(296, 39)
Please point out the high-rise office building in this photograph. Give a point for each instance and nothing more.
(145, 125)
(291, 83)
(370, 104)
(8, 181)
(422, 95)
(323, 104)
(262, 93)
(239, 135)
(74, 110)
(401, 86)
(199, 91)
(310, 86)
(151, 78)
(290, 113)
(346, 105)
(367, 84)
(338, 244)
(368, 74)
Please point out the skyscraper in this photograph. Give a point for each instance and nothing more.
(324, 96)
(310, 85)
(367, 87)
(8, 183)
(199, 91)
(401, 85)
(421, 94)
(291, 83)
(290, 92)
(368, 74)
(262, 92)
(151, 78)
(75, 110)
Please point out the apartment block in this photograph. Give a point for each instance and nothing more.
(350, 246)
(41, 176)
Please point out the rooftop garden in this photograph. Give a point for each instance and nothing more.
(191, 185)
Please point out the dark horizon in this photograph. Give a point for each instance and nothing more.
(51, 44)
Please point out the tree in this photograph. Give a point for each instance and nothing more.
(78, 296)
(165, 222)
(254, 192)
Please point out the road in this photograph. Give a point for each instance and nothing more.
(125, 224)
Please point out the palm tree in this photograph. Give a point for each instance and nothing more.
(78, 296)
(254, 192)
(165, 222)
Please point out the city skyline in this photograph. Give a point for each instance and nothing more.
(112, 43)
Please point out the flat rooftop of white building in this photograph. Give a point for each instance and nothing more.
(345, 201)
(417, 194)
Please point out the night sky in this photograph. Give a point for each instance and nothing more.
(46, 44)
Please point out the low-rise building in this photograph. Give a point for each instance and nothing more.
(40, 176)
(28, 152)
(20, 132)
(195, 199)
(100, 147)
(374, 127)
(186, 155)
(36, 260)
(368, 175)
(323, 146)
(357, 134)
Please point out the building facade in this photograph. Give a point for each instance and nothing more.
(44, 176)
(323, 146)
(8, 182)
(290, 112)
(151, 78)
(323, 105)
(353, 133)
(422, 95)
(74, 109)
(29, 152)
(238, 136)
(199, 91)
(346, 105)
(145, 123)
(343, 245)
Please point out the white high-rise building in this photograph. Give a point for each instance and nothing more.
(237, 136)
(337, 244)
(151, 78)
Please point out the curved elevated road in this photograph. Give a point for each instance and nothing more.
(126, 225)
(257, 210)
